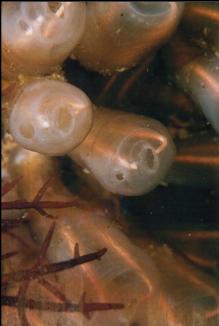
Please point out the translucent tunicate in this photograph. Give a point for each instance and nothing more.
(120, 34)
(128, 154)
(50, 117)
(37, 36)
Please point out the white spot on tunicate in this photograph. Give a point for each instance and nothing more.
(86, 171)
(121, 69)
(133, 166)
(44, 123)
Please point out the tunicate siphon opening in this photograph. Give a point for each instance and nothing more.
(64, 119)
(149, 158)
(54, 6)
(27, 131)
(120, 176)
(49, 30)
(151, 7)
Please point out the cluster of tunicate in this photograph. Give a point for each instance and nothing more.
(54, 118)
(127, 154)
(116, 149)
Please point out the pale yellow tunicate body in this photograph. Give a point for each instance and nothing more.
(50, 117)
(38, 36)
(128, 154)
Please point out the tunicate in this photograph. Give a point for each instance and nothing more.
(50, 117)
(120, 34)
(128, 154)
(37, 36)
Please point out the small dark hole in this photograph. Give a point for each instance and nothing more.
(120, 176)
(150, 158)
(54, 6)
